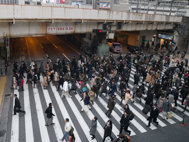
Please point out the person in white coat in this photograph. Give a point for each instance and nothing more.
(32, 65)
(128, 96)
(65, 89)
(67, 129)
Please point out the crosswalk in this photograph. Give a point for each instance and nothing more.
(70, 108)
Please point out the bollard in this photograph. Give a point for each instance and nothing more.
(182, 124)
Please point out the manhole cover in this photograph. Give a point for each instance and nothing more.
(7, 95)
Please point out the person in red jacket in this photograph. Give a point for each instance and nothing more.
(21, 84)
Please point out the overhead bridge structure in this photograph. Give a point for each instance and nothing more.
(28, 20)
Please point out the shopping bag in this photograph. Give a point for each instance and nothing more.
(169, 115)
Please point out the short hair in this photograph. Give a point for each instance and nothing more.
(121, 136)
(50, 104)
(15, 95)
(67, 119)
(95, 118)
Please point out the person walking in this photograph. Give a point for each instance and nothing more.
(166, 108)
(74, 87)
(17, 106)
(175, 94)
(41, 68)
(127, 96)
(104, 88)
(60, 82)
(86, 100)
(124, 123)
(113, 88)
(21, 84)
(108, 130)
(91, 95)
(65, 89)
(111, 105)
(45, 82)
(67, 129)
(50, 115)
(153, 115)
(93, 127)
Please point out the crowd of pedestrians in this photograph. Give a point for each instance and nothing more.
(163, 87)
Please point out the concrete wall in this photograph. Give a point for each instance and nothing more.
(16, 12)
(148, 36)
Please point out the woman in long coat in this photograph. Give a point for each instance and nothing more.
(14, 82)
(149, 77)
(127, 96)
(45, 82)
(56, 77)
(91, 95)
(92, 82)
(93, 127)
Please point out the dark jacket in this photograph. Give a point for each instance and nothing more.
(111, 103)
(149, 98)
(107, 131)
(154, 113)
(124, 121)
(87, 100)
(49, 112)
(17, 103)
(136, 77)
(184, 92)
(114, 88)
(175, 93)
(104, 88)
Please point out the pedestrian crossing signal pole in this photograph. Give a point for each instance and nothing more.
(182, 124)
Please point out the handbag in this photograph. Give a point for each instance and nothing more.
(185, 102)
(160, 109)
(172, 105)
(169, 115)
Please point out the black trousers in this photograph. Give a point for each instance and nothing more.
(108, 113)
(154, 120)
(59, 86)
(175, 102)
(18, 110)
(125, 128)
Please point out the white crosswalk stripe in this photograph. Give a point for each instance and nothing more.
(15, 122)
(28, 121)
(137, 124)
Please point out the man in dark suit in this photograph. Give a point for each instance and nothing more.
(136, 78)
(61, 81)
(175, 93)
(124, 123)
(111, 105)
(17, 105)
(153, 115)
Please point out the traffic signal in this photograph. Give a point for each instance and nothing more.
(97, 31)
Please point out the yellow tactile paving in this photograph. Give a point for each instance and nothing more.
(2, 86)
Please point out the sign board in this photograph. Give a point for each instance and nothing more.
(60, 29)
(111, 36)
(165, 37)
(61, 1)
(105, 5)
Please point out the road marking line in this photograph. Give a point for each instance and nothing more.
(67, 45)
(15, 122)
(65, 56)
(57, 127)
(55, 45)
(40, 117)
(28, 118)
(64, 110)
(41, 45)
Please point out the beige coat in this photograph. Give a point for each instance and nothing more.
(14, 85)
(47, 67)
(91, 95)
(148, 78)
(157, 75)
(56, 77)
(127, 97)
(92, 82)
(45, 83)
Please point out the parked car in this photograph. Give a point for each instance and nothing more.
(134, 49)
(115, 47)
